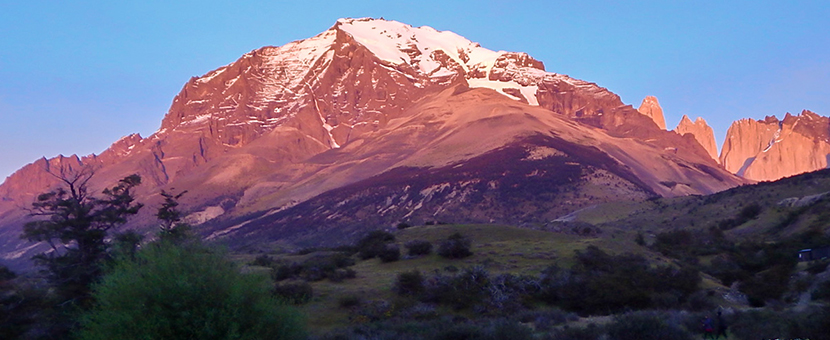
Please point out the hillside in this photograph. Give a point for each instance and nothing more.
(374, 122)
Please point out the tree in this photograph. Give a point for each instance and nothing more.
(172, 228)
(456, 246)
(186, 292)
(75, 225)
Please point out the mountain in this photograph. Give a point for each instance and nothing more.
(651, 108)
(374, 122)
(701, 131)
(771, 149)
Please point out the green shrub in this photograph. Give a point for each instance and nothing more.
(374, 243)
(316, 268)
(341, 274)
(590, 332)
(409, 283)
(646, 325)
(463, 290)
(6, 274)
(812, 323)
(455, 247)
(295, 293)
(349, 301)
(390, 253)
(172, 292)
(822, 292)
(602, 283)
(263, 261)
(403, 225)
(418, 247)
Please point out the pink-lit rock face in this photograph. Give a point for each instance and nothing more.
(771, 149)
(343, 113)
(701, 131)
(651, 108)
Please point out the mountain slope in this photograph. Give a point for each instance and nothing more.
(701, 131)
(371, 105)
(771, 149)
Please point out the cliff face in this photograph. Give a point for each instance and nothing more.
(651, 108)
(365, 99)
(701, 131)
(770, 149)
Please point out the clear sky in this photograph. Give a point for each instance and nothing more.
(77, 75)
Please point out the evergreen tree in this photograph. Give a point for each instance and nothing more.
(75, 225)
(172, 228)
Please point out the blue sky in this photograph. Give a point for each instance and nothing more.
(76, 77)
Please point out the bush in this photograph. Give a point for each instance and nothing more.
(316, 268)
(348, 301)
(390, 253)
(409, 283)
(295, 293)
(263, 261)
(590, 332)
(371, 245)
(463, 290)
(404, 225)
(418, 247)
(766, 324)
(646, 325)
(6, 274)
(455, 247)
(341, 274)
(172, 292)
(602, 283)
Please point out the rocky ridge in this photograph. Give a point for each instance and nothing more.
(771, 149)
(702, 132)
(335, 114)
(651, 108)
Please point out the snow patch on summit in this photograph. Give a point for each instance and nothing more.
(418, 47)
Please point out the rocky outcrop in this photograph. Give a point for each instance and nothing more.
(285, 124)
(770, 149)
(651, 108)
(702, 132)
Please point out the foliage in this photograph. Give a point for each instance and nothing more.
(349, 301)
(463, 290)
(263, 261)
(75, 224)
(390, 253)
(409, 283)
(316, 268)
(768, 324)
(603, 283)
(443, 328)
(418, 247)
(646, 325)
(126, 244)
(174, 292)
(22, 308)
(746, 214)
(373, 244)
(295, 293)
(456, 246)
(403, 225)
(171, 227)
(590, 332)
(6, 274)
(684, 244)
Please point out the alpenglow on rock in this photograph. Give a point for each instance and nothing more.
(651, 108)
(373, 122)
(701, 131)
(771, 149)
